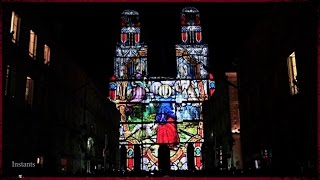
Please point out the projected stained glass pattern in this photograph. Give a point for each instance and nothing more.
(130, 60)
(191, 61)
(161, 110)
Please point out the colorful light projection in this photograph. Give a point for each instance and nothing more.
(131, 55)
(161, 110)
(191, 62)
(147, 107)
(190, 26)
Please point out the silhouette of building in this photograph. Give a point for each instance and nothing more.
(222, 122)
(278, 119)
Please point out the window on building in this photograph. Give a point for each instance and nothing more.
(292, 72)
(7, 80)
(33, 44)
(40, 160)
(10, 81)
(46, 54)
(15, 27)
(29, 91)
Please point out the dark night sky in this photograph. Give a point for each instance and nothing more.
(91, 31)
(97, 26)
(225, 28)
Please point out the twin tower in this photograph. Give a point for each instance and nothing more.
(131, 54)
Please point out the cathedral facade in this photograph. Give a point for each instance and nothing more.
(157, 111)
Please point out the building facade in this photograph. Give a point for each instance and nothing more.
(222, 122)
(54, 117)
(157, 111)
(236, 156)
(277, 91)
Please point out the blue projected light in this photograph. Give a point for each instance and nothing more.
(130, 152)
(112, 86)
(198, 151)
(212, 85)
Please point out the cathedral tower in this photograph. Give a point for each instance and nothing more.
(131, 54)
(191, 53)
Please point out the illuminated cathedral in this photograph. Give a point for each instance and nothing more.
(161, 110)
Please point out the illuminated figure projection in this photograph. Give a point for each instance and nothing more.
(161, 110)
